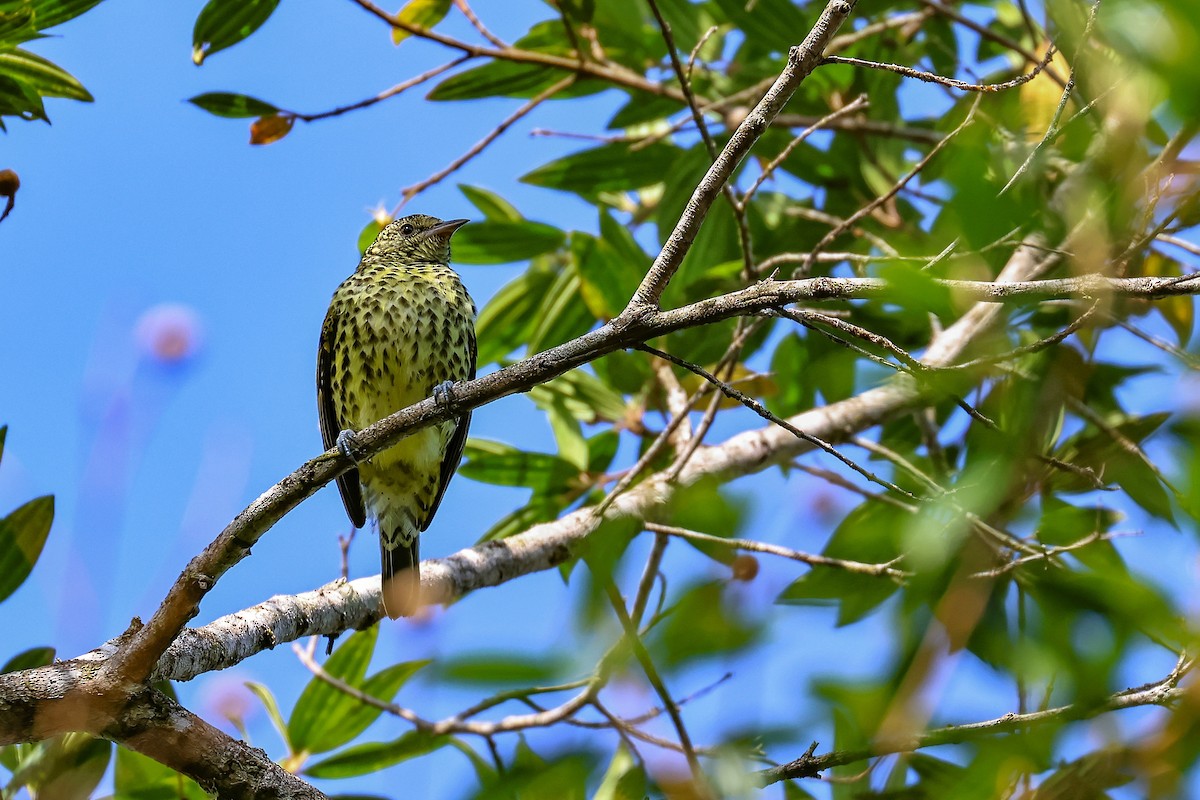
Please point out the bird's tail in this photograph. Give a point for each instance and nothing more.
(401, 566)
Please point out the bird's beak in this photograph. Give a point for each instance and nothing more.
(446, 228)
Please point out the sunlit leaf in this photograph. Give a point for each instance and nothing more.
(365, 759)
(421, 13)
(48, 79)
(271, 706)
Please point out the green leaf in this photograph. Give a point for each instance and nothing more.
(568, 435)
(422, 13)
(916, 290)
(344, 723)
(48, 13)
(493, 206)
(505, 323)
(539, 509)
(138, 777)
(772, 24)
(503, 668)
(67, 767)
(700, 625)
(506, 79)
(866, 534)
(365, 759)
(609, 280)
(319, 704)
(491, 242)
(47, 78)
(20, 100)
(504, 465)
(789, 366)
(22, 535)
(3, 436)
(369, 234)
(265, 697)
(224, 23)
(561, 316)
(609, 168)
(17, 25)
(230, 104)
(29, 659)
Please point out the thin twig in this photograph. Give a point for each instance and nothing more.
(884, 570)
(409, 192)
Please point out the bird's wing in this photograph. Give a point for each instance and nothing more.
(454, 449)
(331, 426)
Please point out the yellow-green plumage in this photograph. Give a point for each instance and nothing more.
(400, 326)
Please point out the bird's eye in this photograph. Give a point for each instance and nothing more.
(407, 229)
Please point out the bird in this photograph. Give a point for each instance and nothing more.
(400, 329)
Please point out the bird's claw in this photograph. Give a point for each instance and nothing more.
(346, 444)
(443, 393)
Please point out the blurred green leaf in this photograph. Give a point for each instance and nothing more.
(138, 777)
(369, 234)
(561, 778)
(625, 778)
(502, 668)
(372, 757)
(29, 659)
(224, 23)
(69, 767)
(265, 696)
(491, 242)
(701, 625)
(321, 705)
(504, 465)
(230, 104)
(22, 535)
(538, 509)
(867, 534)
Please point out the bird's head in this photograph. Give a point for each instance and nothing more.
(416, 239)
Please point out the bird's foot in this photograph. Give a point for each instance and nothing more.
(443, 393)
(346, 444)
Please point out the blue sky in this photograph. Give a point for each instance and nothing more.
(141, 200)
